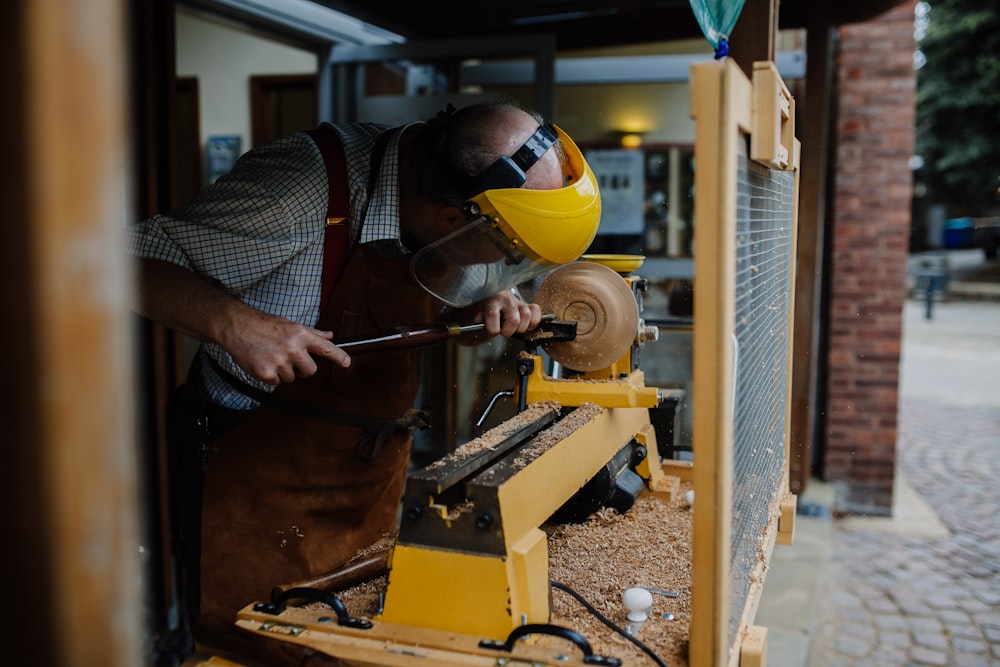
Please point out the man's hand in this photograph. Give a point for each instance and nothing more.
(506, 314)
(270, 348)
(275, 350)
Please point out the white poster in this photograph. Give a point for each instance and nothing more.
(620, 177)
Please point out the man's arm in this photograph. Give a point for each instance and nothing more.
(271, 349)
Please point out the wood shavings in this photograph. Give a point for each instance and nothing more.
(361, 601)
(385, 543)
(496, 435)
(648, 546)
(556, 433)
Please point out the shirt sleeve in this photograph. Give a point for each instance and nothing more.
(247, 224)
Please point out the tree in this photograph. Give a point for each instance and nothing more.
(958, 103)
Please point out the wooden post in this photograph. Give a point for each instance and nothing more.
(71, 544)
(814, 131)
(755, 34)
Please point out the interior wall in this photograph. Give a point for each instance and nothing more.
(223, 57)
(660, 111)
(595, 113)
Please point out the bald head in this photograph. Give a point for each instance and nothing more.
(483, 133)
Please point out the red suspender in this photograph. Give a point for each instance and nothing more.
(336, 241)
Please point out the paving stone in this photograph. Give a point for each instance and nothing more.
(975, 607)
(851, 646)
(949, 617)
(891, 622)
(845, 599)
(859, 631)
(924, 656)
(856, 615)
(965, 629)
(992, 633)
(925, 624)
(894, 639)
(944, 603)
(968, 659)
(887, 655)
(935, 640)
(882, 606)
(991, 620)
(967, 645)
(912, 606)
(834, 660)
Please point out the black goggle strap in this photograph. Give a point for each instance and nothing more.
(534, 148)
(509, 172)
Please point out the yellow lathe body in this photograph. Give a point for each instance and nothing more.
(482, 568)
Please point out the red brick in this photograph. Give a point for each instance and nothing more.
(870, 237)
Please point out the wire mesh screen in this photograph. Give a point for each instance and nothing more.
(765, 200)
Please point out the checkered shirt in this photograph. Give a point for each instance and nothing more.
(259, 231)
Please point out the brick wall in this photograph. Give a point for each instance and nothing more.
(871, 227)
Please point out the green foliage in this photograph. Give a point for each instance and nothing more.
(958, 103)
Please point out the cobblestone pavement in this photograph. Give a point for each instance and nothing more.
(893, 599)
(911, 597)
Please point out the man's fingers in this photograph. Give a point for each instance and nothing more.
(271, 378)
(511, 322)
(492, 318)
(286, 374)
(339, 357)
(327, 350)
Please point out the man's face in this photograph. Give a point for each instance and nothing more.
(480, 243)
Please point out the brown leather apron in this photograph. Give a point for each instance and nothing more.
(288, 497)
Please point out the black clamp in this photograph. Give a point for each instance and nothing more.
(280, 601)
(556, 631)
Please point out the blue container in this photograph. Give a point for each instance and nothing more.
(959, 233)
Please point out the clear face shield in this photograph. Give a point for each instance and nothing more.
(474, 263)
(513, 235)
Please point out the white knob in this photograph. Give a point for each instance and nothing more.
(637, 601)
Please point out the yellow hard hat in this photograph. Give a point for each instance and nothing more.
(514, 234)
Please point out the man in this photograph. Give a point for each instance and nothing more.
(289, 456)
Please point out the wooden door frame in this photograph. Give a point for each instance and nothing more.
(262, 88)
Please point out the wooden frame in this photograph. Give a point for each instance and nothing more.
(728, 110)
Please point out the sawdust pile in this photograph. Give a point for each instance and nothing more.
(363, 600)
(648, 546)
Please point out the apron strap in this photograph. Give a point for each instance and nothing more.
(335, 244)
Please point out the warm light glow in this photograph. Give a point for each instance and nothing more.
(631, 140)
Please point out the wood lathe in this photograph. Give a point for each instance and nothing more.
(468, 580)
